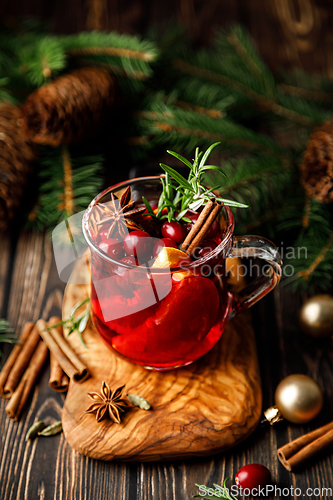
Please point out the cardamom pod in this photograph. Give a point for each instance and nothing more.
(139, 401)
(34, 430)
(51, 430)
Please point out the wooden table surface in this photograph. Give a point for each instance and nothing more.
(48, 469)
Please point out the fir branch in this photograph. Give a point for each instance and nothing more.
(269, 216)
(68, 182)
(40, 59)
(111, 51)
(261, 100)
(209, 95)
(309, 86)
(206, 135)
(311, 95)
(68, 199)
(165, 123)
(132, 55)
(245, 48)
(116, 70)
(307, 211)
(262, 182)
(306, 273)
(314, 265)
(200, 110)
(132, 46)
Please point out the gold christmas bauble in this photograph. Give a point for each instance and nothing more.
(316, 316)
(299, 398)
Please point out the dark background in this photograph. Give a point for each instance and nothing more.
(289, 33)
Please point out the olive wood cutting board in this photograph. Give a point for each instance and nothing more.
(198, 410)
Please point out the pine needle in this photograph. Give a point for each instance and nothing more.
(6, 333)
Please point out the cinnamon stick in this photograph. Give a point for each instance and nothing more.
(64, 354)
(299, 451)
(27, 384)
(201, 226)
(7, 367)
(21, 363)
(58, 380)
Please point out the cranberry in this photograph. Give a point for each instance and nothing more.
(112, 247)
(252, 476)
(138, 243)
(164, 242)
(129, 259)
(104, 234)
(174, 230)
(151, 226)
(205, 248)
(212, 231)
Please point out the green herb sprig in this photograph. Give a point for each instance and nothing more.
(220, 492)
(190, 193)
(6, 333)
(78, 323)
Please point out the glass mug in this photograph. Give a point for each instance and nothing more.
(165, 318)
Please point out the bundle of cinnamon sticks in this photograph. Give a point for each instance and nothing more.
(294, 454)
(21, 372)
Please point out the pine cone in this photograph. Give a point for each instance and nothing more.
(16, 156)
(317, 167)
(69, 108)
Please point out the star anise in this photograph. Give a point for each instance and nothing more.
(107, 403)
(119, 213)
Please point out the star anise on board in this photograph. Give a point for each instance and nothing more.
(119, 214)
(107, 403)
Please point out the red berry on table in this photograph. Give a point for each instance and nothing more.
(252, 476)
(114, 248)
(174, 230)
(163, 242)
(138, 243)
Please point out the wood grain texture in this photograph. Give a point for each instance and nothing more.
(198, 410)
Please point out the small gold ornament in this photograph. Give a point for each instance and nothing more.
(298, 399)
(316, 316)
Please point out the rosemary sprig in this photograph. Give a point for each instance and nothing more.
(6, 333)
(221, 492)
(191, 194)
(78, 323)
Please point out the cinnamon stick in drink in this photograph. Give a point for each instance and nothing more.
(299, 451)
(27, 384)
(64, 354)
(7, 367)
(58, 380)
(201, 226)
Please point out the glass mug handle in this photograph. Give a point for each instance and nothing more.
(244, 293)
